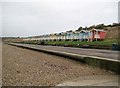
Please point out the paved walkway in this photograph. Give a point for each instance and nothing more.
(98, 80)
(90, 52)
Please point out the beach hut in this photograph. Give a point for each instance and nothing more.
(98, 34)
(63, 36)
(84, 35)
(69, 35)
(57, 36)
(52, 37)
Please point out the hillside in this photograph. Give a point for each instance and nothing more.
(112, 32)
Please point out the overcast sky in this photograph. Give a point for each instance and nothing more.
(53, 16)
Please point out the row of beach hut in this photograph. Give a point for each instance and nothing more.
(83, 35)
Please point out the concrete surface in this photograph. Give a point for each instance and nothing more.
(101, 62)
(99, 80)
(89, 52)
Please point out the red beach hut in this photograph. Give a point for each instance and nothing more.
(98, 34)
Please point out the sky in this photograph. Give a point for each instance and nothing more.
(37, 17)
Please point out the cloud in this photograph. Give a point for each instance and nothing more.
(50, 16)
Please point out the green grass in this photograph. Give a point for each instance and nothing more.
(107, 42)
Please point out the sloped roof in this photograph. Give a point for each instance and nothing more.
(84, 31)
(98, 29)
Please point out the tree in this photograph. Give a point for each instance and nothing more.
(69, 31)
(115, 24)
(91, 27)
(99, 26)
(79, 29)
(85, 28)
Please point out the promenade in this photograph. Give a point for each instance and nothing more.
(87, 52)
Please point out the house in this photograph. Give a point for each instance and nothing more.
(98, 34)
(58, 36)
(84, 35)
(52, 36)
(63, 36)
(77, 37)
(69, 35)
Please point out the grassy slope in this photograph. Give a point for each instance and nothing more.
(107, 42)
(111, 37)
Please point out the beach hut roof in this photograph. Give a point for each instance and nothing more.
(84, 31)
(77, 32)
(97, 29)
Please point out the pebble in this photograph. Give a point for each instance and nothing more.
(36, 68)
